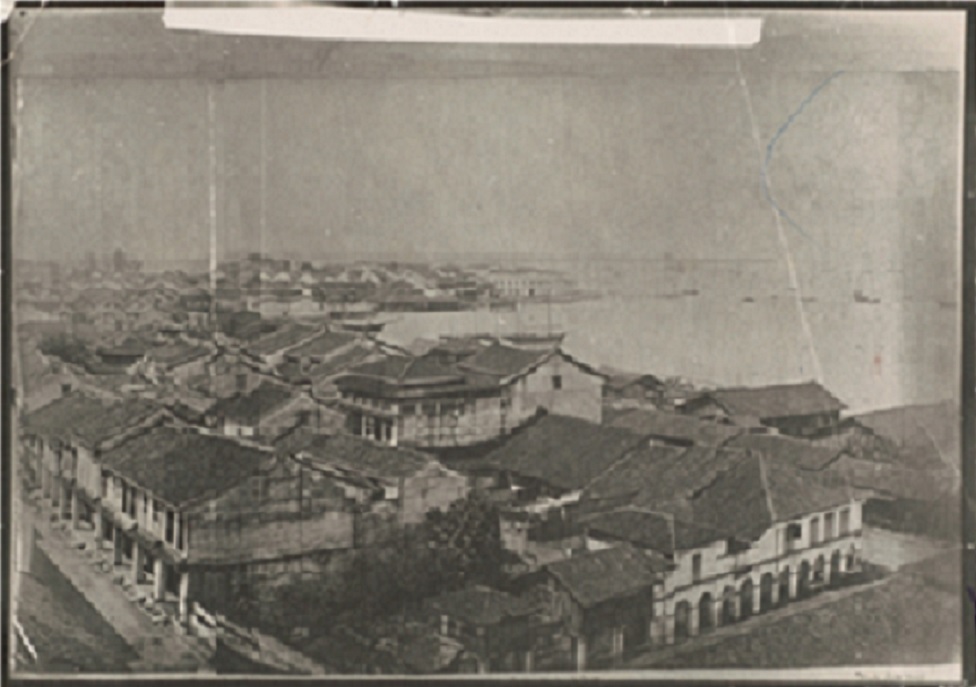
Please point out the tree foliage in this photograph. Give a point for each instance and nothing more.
(450, 550)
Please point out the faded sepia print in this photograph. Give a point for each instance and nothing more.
(342, 357)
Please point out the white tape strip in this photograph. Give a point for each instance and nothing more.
(420, 26)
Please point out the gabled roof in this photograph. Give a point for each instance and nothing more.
(181, 466)
(621, 380)
(323, 344)
(130, 347)
(649, 529)
(505, 361)
(250, 408)
(403, 369)
(178, 353)
(784, 400)
(657, 477)
(289, 335)
(88, 420)
(754, 492)
(64, 412)
(732, 490)
(787, 450)
(595, 577)
(480, 606)
(927, 433)
(675, 427)
(115, 420)
(363, 456)
(565, 452)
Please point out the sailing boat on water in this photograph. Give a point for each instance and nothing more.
(864, 292)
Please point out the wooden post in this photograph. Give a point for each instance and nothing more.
(98, 527)
(159, 579)
(580, 653)
(75, 507)
(184, 596)
(137, 562)
(117, 545)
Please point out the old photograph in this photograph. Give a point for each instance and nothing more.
(634, 351)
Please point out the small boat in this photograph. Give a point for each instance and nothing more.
(861, 297)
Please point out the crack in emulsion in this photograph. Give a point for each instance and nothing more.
(777, 215)
(764, 170)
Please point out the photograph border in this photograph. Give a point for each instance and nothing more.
(967, 340)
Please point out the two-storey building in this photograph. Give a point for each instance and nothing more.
(745, 531)
(462, 397)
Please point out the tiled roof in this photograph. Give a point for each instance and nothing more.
(178, 353)
(364, 457)
(323, 344)
(598, 576)
(925, 431)
(783, 400)
(504, 361)
(285, 337)
(62, 413)
(405, 369)
(728, 489)
(88, 420)
(130, 347)
(251, 407)
(651, 529)
(625, 379)
(180, 466)
(114, 420)
(675, 427)
(754, 492)
(656, 476)
(565, 452)
(480, 605)
(786, 449)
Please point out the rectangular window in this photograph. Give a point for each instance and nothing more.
(157, 507)
(408, 409)
(828, 532)
(814, 530)
(696, 567)
(182, 535)
(170, 526)
(845, 521)
(125, 498)
(557, 382)
(794, 533)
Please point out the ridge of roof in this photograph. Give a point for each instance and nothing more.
(765, 486)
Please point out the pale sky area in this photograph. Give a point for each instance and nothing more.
(550, 150)
(418, 151)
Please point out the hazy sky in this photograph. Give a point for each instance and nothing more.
(560, 151)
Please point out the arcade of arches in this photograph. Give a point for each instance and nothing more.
(754, 595)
